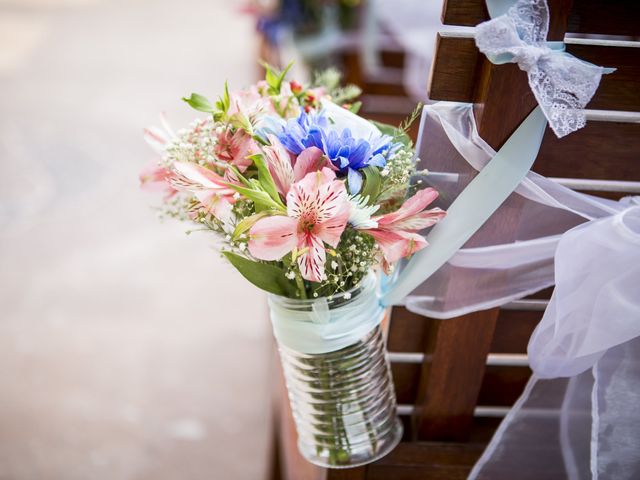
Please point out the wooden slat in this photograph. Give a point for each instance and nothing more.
(619, 90)
(451, 379)
(609, 17)
(358, 473)
(406, 377)
(467, 13)
(502, 386)
(460, 71)
(453, 71)
(606, 151)
(427, 461)
(408, 331)
(513, 330)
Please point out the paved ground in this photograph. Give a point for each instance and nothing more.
(127, 350)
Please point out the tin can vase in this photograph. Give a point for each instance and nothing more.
(343, 401)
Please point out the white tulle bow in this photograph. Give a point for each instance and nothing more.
(596, 303)
(561, 83)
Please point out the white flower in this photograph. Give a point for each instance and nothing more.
(334, 265)
(290, 275)
(360, 216)
(347, 295)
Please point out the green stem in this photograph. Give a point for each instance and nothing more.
(301, 287)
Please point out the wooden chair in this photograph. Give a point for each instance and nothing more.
(456, 379)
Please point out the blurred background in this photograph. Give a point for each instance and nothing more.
(127, 349)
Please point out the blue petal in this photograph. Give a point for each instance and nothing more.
(360, 154)
(355, 181)
(378, 161)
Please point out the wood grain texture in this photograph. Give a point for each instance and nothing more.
(513, 330)
(452, 375)
(427, 461)
(461, 73)
(619, 90)
(408, 332)
(609, 17)
(453, 71)
(503, 385)
(358, 473)
(601, 150)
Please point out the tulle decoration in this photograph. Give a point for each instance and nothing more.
(587, 425)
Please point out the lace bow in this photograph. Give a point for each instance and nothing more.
(561, 83)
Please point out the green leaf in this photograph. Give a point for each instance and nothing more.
(266, 180)
(249, 222)
(397, 134)
(263, 275)
(226, 99)
(274, 78)
(200, 103)
(372, 183)
(259, 197)
(355, 107)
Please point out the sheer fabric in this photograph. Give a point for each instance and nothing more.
(512, 255)
(586, 425)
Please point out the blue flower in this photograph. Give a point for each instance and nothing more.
(303, 132)
(348, 154)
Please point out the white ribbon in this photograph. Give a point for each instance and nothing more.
(561, 83)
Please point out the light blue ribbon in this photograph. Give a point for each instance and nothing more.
(473, 207)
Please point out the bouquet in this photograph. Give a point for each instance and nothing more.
(306, 200)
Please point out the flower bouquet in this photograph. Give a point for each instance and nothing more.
(308, 201)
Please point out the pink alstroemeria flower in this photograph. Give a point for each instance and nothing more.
(155, 178)
(208, 187)
(235, 148)
(317, 213)
(396, 233)
(249, 103)
(286, 171)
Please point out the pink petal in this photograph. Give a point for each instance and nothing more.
(218, 206)
(397, 245)
(331, 230)
(311, 262)
(418, 221)
(310, 160)
(319, 194)
(243, 147)
(199, 176)
(223, 209)
(154, 178)
(415, 204)
(304, 196)
(271, 238)
(279, 163)
(156, 138)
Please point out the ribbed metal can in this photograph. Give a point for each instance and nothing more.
(343, 402)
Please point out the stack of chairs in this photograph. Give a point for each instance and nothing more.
(456, 379)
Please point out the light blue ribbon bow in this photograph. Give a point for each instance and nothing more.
(561, 83)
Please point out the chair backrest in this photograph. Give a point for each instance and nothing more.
(458, 377)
